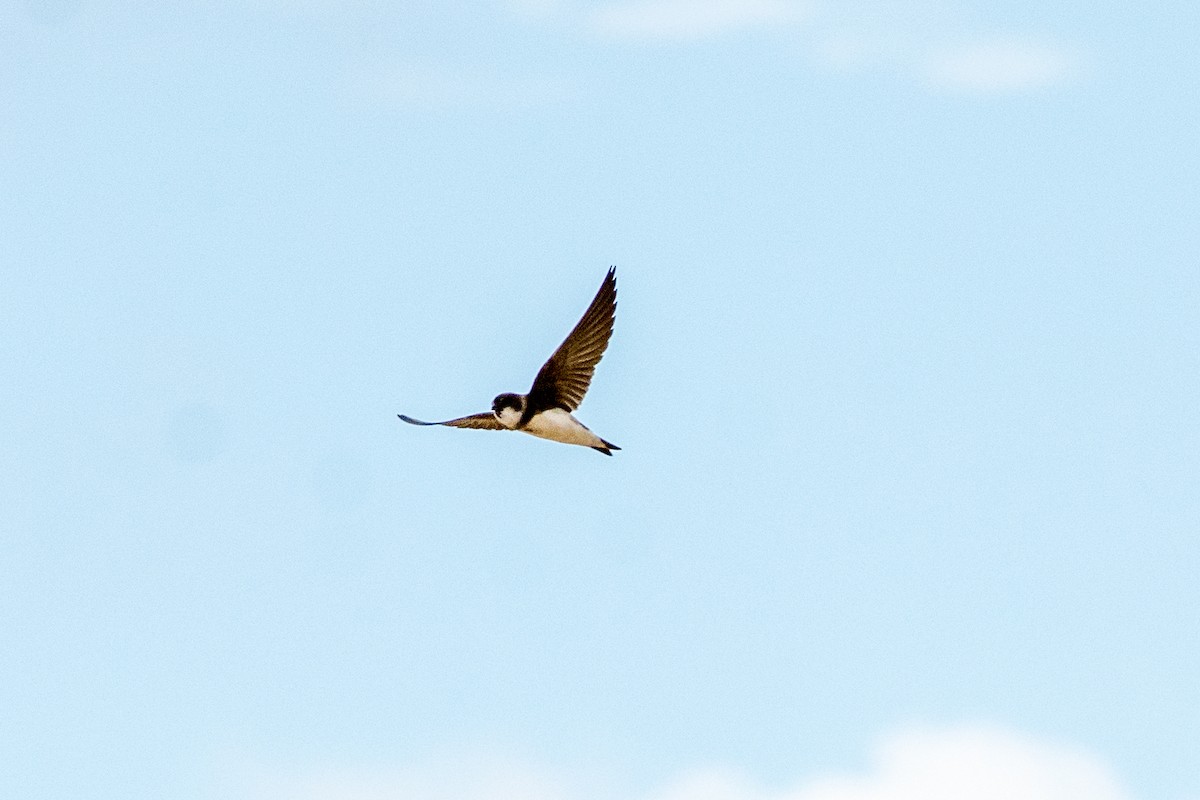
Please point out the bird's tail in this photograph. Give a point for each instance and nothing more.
(607, 448)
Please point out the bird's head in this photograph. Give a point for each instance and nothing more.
(508, 408)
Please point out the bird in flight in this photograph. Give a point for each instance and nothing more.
(559, 386)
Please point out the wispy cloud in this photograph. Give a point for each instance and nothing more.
(693, 19)
(1002, 66)
(961, 763)
(974, 763)
(929, 41)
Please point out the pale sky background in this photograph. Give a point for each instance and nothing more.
(906, 372)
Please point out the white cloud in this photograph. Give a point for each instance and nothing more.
(693, 19)
(975, 763)
(930, 41)
(1001, 66)
(972, 763)
(960, 763)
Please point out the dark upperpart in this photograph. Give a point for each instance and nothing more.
(508, 400)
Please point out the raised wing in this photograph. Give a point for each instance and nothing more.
(564, 379)
(485, 422)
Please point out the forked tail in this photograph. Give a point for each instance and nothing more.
(607, 448)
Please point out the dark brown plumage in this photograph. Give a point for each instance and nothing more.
(486, 421)
(564, 379)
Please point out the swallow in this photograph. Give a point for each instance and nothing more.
(558, 389)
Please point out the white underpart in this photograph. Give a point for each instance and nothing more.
(559, 426)
(509, 417)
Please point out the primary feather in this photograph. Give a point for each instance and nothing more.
(564, 379)
(486, 422)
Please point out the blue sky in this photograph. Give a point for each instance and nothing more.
(905, 370)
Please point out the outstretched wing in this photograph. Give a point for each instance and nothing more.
(564, 379)
(485, 422)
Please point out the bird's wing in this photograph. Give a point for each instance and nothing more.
(564, 379)
(486, 422)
